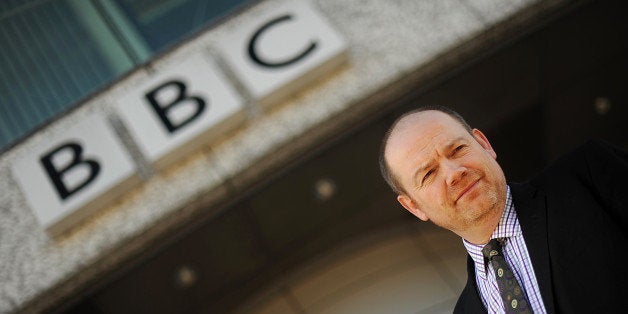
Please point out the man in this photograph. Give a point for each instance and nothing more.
(556, 244)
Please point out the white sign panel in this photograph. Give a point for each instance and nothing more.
(79, 169)
(282, 50)
(179, 108)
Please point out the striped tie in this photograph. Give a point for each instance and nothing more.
(512, 295)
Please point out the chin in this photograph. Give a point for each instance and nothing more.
(484, 211)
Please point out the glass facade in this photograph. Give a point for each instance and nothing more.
(56, 52)
(163, 22)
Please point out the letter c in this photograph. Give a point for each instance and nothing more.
(253, 43)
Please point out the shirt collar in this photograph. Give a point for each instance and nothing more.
(507, 227)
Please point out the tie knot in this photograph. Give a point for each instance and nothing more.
(493, 248)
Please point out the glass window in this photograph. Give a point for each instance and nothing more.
(56, 52)
(164, 22)
(49, 60)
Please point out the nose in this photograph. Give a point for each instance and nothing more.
(455, 173)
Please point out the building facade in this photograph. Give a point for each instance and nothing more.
(224, 159)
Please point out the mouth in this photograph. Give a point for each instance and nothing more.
(466, 189)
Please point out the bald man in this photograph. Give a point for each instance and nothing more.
(554, 244)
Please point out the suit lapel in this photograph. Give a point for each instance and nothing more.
(470, 301)
(474, 298)
(532, 214)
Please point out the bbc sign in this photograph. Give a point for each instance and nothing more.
(175, 111)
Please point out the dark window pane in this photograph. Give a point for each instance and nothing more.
(164, 22)
(50, 59)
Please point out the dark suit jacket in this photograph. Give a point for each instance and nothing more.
(574, 218)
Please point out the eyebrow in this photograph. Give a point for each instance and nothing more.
(453, 143)
(421, 169)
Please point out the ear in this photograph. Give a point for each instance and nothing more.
(481, 138)
(409, 204)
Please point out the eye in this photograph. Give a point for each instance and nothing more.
(428, 175)
(458, 149)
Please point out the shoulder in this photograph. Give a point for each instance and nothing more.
(590, 177)
(595, 151)
(583, 164)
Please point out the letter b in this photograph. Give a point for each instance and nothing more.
(57, 175)
(164, 110)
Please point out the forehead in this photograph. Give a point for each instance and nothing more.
(419, 134)
(426, 126)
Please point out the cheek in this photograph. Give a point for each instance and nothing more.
(435, 195)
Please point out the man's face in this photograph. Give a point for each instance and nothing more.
(449, 175)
